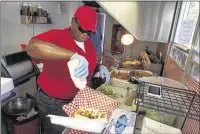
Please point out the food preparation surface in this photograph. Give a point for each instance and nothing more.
(121, 94)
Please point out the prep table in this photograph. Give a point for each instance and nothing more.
(121, 94)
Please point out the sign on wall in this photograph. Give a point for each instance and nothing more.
(179, 56)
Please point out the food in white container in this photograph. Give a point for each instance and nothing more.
(89, 125)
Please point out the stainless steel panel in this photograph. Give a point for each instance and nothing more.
(147, 21)
(21, 69)
(3, 126)
(155, 20)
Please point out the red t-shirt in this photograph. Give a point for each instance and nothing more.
(55, 78)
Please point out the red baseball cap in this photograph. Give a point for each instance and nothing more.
(87, 18)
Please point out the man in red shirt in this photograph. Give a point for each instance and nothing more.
(55, 48)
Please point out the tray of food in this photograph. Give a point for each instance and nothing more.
(132, 63)
(120, 78)
(96, 121)
(108, 90)
(121, 74)
(128, 62)
(89, 107)
(137, 74)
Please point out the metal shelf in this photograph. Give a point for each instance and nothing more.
(175, 101)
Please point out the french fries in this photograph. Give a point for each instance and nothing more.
(135, 62)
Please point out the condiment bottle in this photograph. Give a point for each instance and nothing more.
(39, 10)
(31, 10)
(130, 96)
(25, 9)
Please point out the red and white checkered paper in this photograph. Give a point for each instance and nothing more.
(90, 98)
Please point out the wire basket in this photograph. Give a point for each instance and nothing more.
(175, 101)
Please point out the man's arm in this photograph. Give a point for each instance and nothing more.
(47, 51)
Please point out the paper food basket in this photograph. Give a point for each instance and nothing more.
(87, 98)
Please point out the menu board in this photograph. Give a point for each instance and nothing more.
(187, 23)
(186, 31)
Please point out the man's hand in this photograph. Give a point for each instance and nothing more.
(81, 71)
(104, 73)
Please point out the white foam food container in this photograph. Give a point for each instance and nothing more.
(80, 84)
